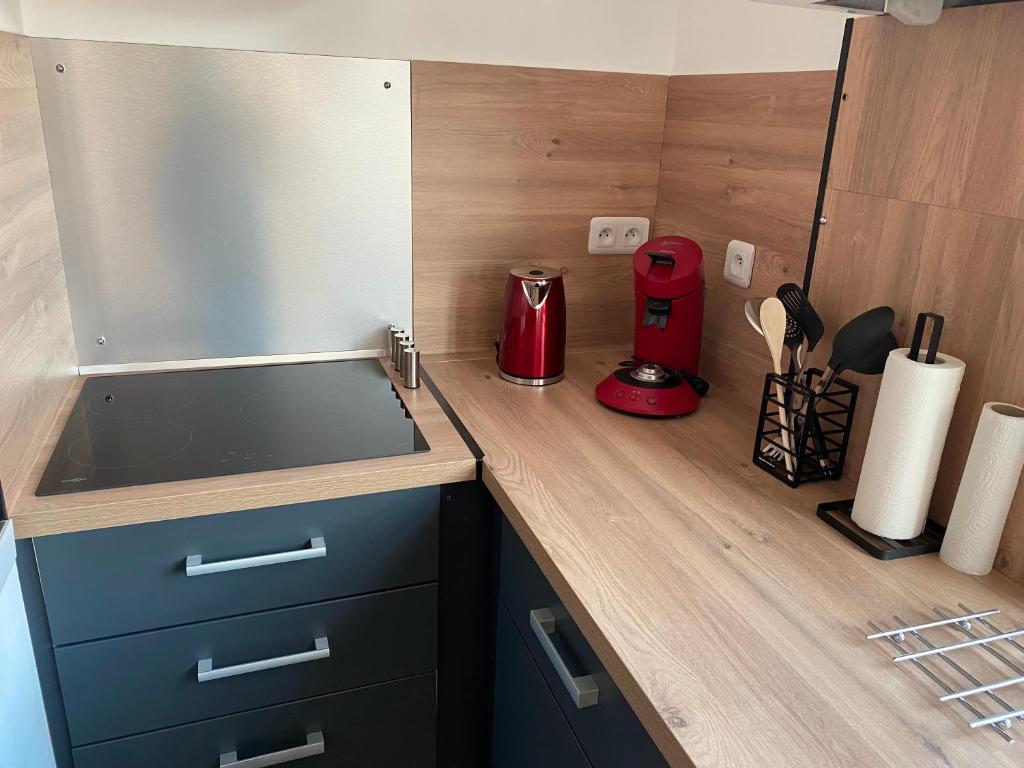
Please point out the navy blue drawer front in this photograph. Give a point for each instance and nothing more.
(383, 726)
(121, 580)
(609, 730)
(529, 729)
(127, 685)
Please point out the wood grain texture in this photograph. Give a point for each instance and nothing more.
(447, 461)
(965, 266)
(730, 617)
(934, 114)
(509, 166)
(926, 213)
(742, 161)
(37, 358)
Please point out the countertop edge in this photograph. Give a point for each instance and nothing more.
(449, 460)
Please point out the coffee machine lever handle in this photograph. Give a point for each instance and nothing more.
(660, 257)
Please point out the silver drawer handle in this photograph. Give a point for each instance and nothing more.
(582, 689)
(207, 672)
(194, 565)
(314, 746)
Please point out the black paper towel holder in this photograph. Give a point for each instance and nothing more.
(933, 344)
(838, 515)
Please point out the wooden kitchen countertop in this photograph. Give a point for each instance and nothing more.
(449, 460)
(732, 619)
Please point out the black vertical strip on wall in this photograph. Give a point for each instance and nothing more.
(837, 100)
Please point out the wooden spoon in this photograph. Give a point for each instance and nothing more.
(773, 323)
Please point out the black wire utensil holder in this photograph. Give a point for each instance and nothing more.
(815, 432)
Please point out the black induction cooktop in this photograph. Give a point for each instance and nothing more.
(156, 427)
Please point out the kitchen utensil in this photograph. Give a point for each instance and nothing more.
(800, 309)
(773, 323)
(857, 340)
(668, 281)
(794, 341)
(752, 309)
(874, 363)
(531, 344)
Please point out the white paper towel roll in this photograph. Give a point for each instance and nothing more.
(986, 490)
(908, 432)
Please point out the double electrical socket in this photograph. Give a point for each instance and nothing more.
(618, 234)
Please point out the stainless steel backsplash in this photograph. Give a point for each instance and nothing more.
(220, 203)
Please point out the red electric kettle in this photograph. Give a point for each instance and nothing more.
(531, 342)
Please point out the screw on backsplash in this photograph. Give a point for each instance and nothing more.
(60, 68)
(101, 340)
(387, 84)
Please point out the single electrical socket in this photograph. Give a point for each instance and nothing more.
(618, 234)
(739, 263)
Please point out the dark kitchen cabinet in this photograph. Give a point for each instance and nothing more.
(596, 711)
(356, 631)
(529, 728)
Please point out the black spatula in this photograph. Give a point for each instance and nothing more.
(863, 345)
(799, 307)
(858, 341)
(874, 364)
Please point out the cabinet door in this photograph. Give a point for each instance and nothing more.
(529, 729)
(608, 729)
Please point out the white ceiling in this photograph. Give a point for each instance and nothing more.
(648, 36)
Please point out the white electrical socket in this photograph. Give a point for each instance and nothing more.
(618, 234)
(739, 263)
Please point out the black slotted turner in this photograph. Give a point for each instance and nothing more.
(799, 308)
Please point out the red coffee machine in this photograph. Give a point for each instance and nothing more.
(531, 342)
(662, 380)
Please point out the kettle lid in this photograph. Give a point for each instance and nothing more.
(668, 267)
(530, 272)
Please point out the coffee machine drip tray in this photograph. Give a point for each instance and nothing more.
(648, 390)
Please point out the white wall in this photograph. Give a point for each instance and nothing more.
(10, 16)
(614, 35)
(728, 36)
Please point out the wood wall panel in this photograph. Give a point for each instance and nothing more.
(914, 257)
(742, 161)
(37, 359)
(926, 212)
(509, 165)
(934, 114)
